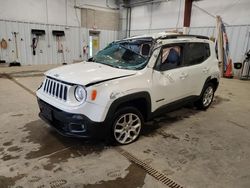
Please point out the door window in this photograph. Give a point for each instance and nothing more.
(169, 58)
(195, 53)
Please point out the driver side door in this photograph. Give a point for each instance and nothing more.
(169, 82)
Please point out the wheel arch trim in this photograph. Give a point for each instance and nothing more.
(210, 79)
(129, 98)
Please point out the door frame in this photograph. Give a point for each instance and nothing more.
(91, 34)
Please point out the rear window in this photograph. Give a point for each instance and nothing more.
(195, 53)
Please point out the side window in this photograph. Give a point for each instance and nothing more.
(169, 58)
(195, 53)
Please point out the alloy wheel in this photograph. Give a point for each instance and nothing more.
(127, 128)
(208, 96)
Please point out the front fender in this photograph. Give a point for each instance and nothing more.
(129, 99)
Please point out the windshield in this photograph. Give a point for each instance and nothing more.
(131, 55)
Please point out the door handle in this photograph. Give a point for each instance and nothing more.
(205, 70)
(183, 75)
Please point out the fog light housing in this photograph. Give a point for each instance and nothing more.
(76, 128)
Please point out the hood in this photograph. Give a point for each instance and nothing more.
(87, 73)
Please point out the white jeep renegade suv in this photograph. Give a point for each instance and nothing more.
(127, 83)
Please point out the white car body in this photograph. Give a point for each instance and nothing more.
(112, 83)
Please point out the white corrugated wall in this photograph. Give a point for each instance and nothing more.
(46, 51)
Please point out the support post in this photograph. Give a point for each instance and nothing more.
(187, 16)
(129, 23)
(220, 49)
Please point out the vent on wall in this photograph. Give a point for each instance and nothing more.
(58, 33)
(38, 32)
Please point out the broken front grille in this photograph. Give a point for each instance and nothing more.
(56, 89)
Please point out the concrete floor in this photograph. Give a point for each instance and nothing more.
(193, 148)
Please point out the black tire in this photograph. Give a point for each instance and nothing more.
(123, 113)
(201, 104)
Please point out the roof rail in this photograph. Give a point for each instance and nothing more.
(137, 38)
(179, 36)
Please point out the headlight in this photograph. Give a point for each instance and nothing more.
(80, 93)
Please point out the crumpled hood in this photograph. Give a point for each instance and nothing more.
(87, 72)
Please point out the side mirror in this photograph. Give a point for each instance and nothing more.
(237, 65)
(145, 49)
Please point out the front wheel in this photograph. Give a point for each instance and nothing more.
(127, 125)
(206, 98)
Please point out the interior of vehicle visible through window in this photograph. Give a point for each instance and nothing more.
(171, 58)
(131, 54)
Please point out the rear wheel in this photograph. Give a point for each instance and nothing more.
(127, 125)
(206, 98)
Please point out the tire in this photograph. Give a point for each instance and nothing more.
(127, 125)
(206, 98)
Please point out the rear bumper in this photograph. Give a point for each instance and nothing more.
(71, 125)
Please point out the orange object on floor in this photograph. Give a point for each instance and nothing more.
(229, 70)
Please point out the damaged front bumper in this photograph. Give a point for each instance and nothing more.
(71, 125)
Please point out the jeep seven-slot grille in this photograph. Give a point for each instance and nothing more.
(56, 89)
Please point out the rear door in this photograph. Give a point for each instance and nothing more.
(196, 61)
